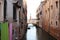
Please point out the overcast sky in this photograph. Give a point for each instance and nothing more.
(31, 8)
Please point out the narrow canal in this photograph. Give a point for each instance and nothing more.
(34, 33)
(31, 33)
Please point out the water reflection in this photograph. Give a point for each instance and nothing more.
(42, 35)
(31, 34)
(37, 34)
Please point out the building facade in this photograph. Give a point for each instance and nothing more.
(39, 15)
(51, 17)
(1, 10)
(14, 12)
(46, 16)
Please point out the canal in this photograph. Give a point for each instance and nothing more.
(34, 33)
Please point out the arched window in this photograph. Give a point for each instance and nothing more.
(5, 7)
(57, 4)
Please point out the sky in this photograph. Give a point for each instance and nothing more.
(32, 6)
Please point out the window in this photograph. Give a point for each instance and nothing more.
(57, 4)
(51, 22)
(39, 18)
(19, 16)
(56, 22)
(41, 13)
(5, 6)
(13, 31)
(21, 22)
(14, 13)
(46, 11)
(19, 30)
(51, 6)
(23, 10)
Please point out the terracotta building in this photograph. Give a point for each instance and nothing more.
(54, 18)
(46, 15)
(51, 17)
(40, 14)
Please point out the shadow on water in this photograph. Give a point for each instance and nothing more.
(37, 34)
(42, 35)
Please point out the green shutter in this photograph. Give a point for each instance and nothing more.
(4, 31)
(0, 31)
